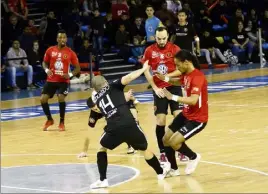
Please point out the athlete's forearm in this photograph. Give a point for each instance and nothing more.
(45, 65)
(131, 76)
(192, 100)
(76, 70)
(175, 73)
(149, 78)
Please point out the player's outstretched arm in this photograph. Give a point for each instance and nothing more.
(168, 79)
(134, 75)
(191, 100)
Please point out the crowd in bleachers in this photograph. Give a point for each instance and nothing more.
(121, 24)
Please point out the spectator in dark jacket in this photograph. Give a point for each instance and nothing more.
(138, 29)
(98, 32)
(84, 52)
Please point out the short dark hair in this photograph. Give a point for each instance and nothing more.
(182, 11)
(184, 55)
(160, 29)
(147, 6)
(61, 31)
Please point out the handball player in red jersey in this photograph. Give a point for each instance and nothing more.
(194, 116)
(161, 60)
(56, 64)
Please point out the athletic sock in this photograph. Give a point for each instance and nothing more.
(62, 106)
(160, 132)
(46, 110)
(170, 154)
(102, 164)
(185, 150)
(154, 163)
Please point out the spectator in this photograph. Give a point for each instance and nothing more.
(253, 17)
(119, 8)
(208, 48)
(174, 5)
(98, 32)
(35, 60)
(110, 30)
(151, 24)
(89, 6)
(203, 21)
(121, 39)
(138, 29)
(84, 52)
(164, 14)
(18, 8)
(19, 65)
(241, 42)
(236, 19)
(219, 12)
(136, 9)
(137, 50)
(51, 29)
(264, 24)
(125, 21)
(26, 39)
(190, 15)
(34, 30)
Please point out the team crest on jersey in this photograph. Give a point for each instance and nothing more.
(168, 55)
(65, 56)
(162, 69)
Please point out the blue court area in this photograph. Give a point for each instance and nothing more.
(60, 178)
(80, 105)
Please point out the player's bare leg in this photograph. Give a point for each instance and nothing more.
(161, 170)
(182, 157)
(102, 167)
(85, 149)
(45, 106)
(177, 142)
(160, 132)
(62, 106)
(170, 154)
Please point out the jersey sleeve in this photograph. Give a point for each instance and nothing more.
(176, 49)
(146, 55)
(47, 56)
(197, 83)
(118, 84)
(74, 59)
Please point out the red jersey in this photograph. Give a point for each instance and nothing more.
(161, 60)
(195, 83)
(118, 9)
(17, 5)
(59, 62)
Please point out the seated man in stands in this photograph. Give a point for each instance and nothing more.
(21, 64)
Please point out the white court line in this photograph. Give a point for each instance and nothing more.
(119, 155)
(137, 173)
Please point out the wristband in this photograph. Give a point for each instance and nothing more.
(167, 79)
(71, 74)
(175, 98)
(46, 70)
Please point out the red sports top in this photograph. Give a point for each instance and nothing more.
(195, 83)
(161, 60)
(59, 62)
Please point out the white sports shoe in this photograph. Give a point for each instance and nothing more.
(192, 164)
(100, 184)
(166, 169)
(173, 173)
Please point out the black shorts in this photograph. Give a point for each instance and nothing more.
(186, 127)
(131, 104)
(131, 134)
(161, 104)
(50, 88)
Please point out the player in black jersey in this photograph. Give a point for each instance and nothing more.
(121, 125)
(184, 33)
(95, 115)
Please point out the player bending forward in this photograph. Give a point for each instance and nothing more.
(194, 116)
(121, 125)
(95, 115)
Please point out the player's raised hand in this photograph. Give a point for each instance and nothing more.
(159, 92)
(167, 94)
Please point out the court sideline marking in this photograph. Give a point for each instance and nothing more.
(119, 155)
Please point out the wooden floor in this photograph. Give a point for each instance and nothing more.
(234, 145)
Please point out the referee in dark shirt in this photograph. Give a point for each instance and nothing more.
(184, 33)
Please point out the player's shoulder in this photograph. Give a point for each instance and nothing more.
(150, 48)
(173, 47)
(52, 48)
(199, 74)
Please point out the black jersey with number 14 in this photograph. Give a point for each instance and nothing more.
(112, 103)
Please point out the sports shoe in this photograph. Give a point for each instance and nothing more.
(163, 157)
(183, 158)
(131, 150)
(48, 124)
(166, 169)
(100, 184)
(192, 164)
(173, 173)
(61, 126)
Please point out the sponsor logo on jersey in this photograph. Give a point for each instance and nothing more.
(162, 69)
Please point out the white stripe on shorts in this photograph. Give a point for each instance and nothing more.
(192, 131)
(102, 136)
(141, 130)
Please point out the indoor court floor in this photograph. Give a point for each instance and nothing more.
(233, 145)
